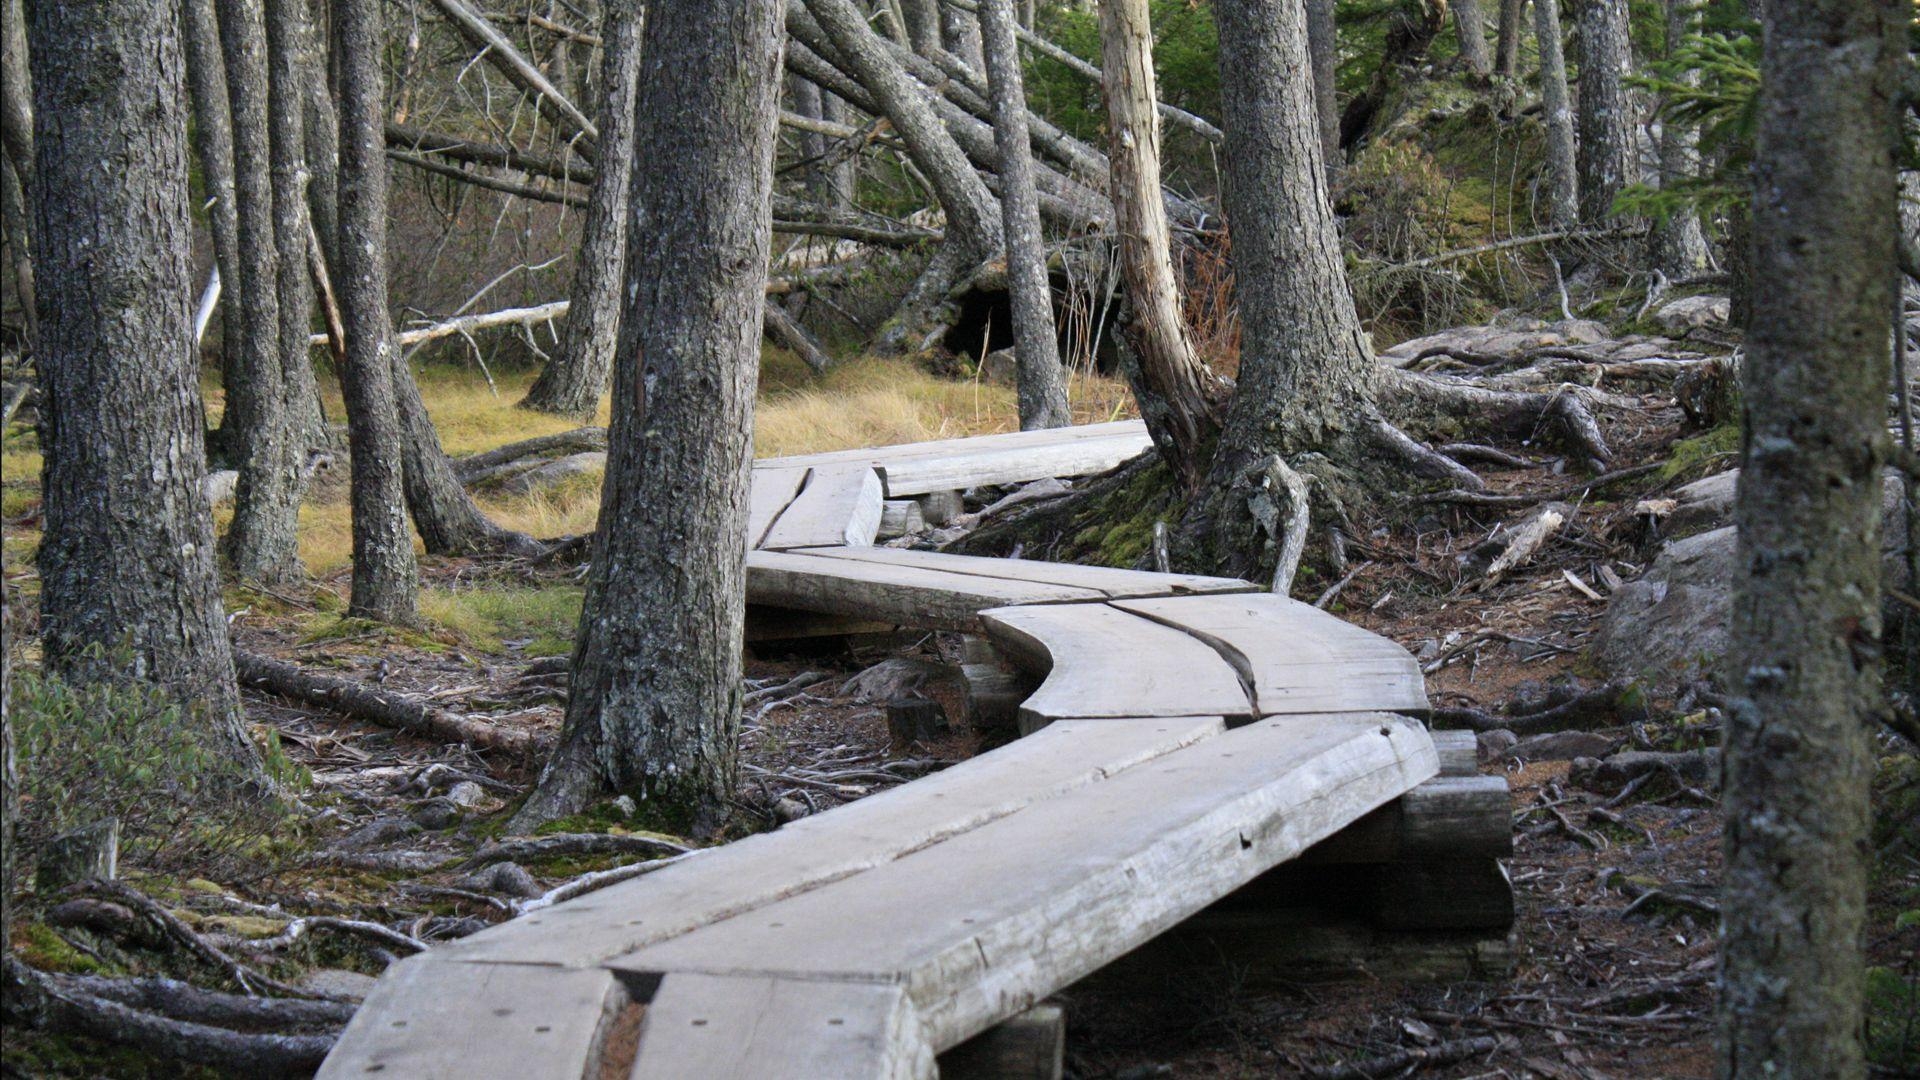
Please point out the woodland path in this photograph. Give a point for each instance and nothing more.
(1187, 734)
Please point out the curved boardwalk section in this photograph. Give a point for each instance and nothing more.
(1188, 734)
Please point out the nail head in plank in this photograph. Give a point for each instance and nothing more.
(701, 1026)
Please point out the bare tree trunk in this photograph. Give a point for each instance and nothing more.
(1042, 390)
(385, 578)
(923, 25)
(1171, 384)
(839, 181)
(1605, 116)
(262, 541)
(960, 33)
(1679, 248)
(1506, 49)
(1805, 655)
(1563, 209)
(445, 515)
(213, 142)
(292, 235)
(655, 706)
(1470, 26)
(1306, 368)
(573, 381)
(127, 558)
(1323, 50)
(16, 147)
(323, 134)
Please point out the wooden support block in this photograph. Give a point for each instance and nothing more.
(1451, 894)
(900, 517)
(1031, 1046)
(839, 504)
(1459, 752)
(940, 507)
(1456, 817)
(917, 720)
(765, 622)
(994, 694)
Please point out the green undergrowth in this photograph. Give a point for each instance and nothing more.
(538, 621)
(1700, 456)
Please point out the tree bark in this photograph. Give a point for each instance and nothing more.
(262, 540)
(1323, 49)
(16, 146)
(385, 578)
(1563, 209)
(655, 705)
(292, 233)
(127, 558)
(1171, 384)
(960, 34)
(1605, 116)
(837, 188)
(213, 142)
(1805, 650)
(571, 384)
(1470, 27)
(1042, 389)
(323, 135)
(1306, 369)
(1506, 49)
(1679, 247)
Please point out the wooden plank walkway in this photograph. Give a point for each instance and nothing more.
(865, 940)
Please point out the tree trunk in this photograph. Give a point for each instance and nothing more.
(1506, 49)
(262, 541)
(1305, 364)
(923, 25)
(1605, 117)
(384, 574)
(127, 557)
(573, 381)
(1470, 26)
(960, 33)
(16, 146)
(1323, 48)
(292, 234)
(1679, 247)
(1805, 648)
(213, 142)
(1042, 389)
(838, 183)
(323, 136)
(1171, 384)
(655, 706)
(1563, 210)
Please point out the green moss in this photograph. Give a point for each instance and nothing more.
(1701, 455)
(39, 946)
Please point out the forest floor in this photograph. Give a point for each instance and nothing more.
(1614, 944)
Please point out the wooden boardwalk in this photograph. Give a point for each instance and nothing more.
(1187, 735)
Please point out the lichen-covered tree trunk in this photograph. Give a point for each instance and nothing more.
(1605, 112)
(384, 573)
(1470, 27)
(1679, 247)
(16, 155)
(1170, 383)
(213, 143)
(1306, 369)
(1323, 48)
(1556, 107)
(1041, 387)
(1805, 651)
(292, 235)
(322, 129)
(655, 705)
(571, 384)
(960, 34)
(1506, 47)
(127, 557)
(261, 542)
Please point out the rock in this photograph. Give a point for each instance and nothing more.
(888, 680)
(1671, 622)
(1702, 505)
(625, 804)
(505, 878)
(219, 486)
(788, 808)
(466, 794)
(940, 507)
(338, 982)
(1691, 313)
(439, 812)
(916, 719)
(1493, 745)
(553, 473)
(1560, 746)
(999, 366)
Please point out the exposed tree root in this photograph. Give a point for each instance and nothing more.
(478, 467)
(180, 933)
(1594, 708)
(1409, 397)
(546, 847)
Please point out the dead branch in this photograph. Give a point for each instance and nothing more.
(1589, 709)
(480, 179)
(521, 72)
(1503, 245)
(785, 330)
(1526, 538)
(524, 849)
(170, 925)
(599, 879)
(500, 156)
(475, 467)
(372, 931)
(184, 1001)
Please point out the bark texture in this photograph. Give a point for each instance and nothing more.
(16, 154)
(1679, 247)
(384, 572)
(572, 383)
(213, 143)
(261, 542)
(127, 559)
(1506, 48)
(1470, 26)
(655, 706)
(1170, 383)
(1562, 194)
(1042, 388)
(1323, 47)
(1805, 654)
(1605, 116)
(292, 233)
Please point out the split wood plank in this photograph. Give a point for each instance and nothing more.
(1296, 658)
(902, 595)
(1010, 440)
(1080, 457)
(780, 1029)
(748, 874)
(431, 1017)
(1109, 581)
(1069, 884)
(1101, 661)
(838, 504)
(771, 491)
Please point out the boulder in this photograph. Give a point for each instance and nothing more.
(999, 366)
(1560, 746)
(1692, 313)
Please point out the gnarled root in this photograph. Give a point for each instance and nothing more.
(1411, 397)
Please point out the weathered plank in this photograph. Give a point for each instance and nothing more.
(431, 1017)
(1014, 457)
(1109, 581)
(1010, 440)
(903, 595)
(839, 504)
(1070, 883)
(770, 493)
(750, 873)
(700, 1026)
(1102, 661)
(1296, 658)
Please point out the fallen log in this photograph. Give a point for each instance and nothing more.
(783, 329)
(582, 440)
(362, 702)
